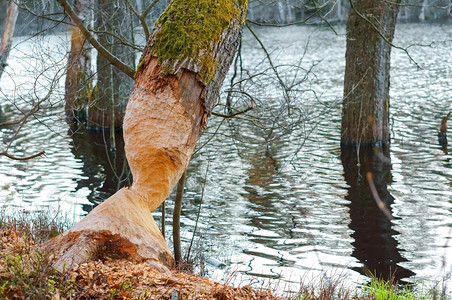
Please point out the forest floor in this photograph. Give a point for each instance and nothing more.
(26, 274)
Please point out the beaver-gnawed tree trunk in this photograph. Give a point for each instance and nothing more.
(8, 32)
(176, 86)
(365, 111)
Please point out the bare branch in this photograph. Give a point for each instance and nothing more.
(282, 25)
(281, 82)
(101, 49)
(49, 17)
(253, 104)
(33, 110)
(142, 17)
(149, 8)
(352, 6)
(21, 122)
(381, 205)
(5, 153)
(121, 39)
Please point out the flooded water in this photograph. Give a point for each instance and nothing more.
(279, 197)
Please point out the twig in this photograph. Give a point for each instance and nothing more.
(382, 35)
(380, 203)
(5, 153)
(203, 145)
(101, 49)
(187, 257)
(281, 25)
(121, 39)
(281, 82)
(240, 112)
(21, 122)
(142, 17)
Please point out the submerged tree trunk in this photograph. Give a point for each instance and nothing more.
(176, 219)
(176, 86)
(113, 86)
(8, 32)
(365, 111)
(78, 88)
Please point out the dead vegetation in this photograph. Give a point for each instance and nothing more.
(25, 273)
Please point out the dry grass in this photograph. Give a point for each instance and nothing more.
(25, 273)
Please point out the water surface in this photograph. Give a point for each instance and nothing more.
(279, 198)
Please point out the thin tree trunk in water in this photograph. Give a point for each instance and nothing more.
(77, 85)
(162, 230)
(113, 86)
(176, 86)
(365, 111)
(8, 32)
(176, 219)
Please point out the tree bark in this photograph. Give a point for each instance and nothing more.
(78, 85)
(87, 34)
(176, 219)
(8, 32)
(365, 111)
(169, 105)
(113, 86)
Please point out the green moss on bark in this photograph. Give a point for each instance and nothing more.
(189, 28)
(140, 64)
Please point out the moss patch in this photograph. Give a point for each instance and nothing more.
(188, 28)
(140, 64)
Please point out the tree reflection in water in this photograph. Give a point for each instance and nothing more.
(375, 245)
(106, 170)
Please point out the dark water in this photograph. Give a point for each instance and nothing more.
(279, 197)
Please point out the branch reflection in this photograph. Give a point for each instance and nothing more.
(106, 171)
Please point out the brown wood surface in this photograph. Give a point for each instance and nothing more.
(365, 112)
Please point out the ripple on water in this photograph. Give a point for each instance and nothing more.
(281, 209)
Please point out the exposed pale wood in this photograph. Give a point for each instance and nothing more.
(121, 227)
(443, 126)
(161, 127)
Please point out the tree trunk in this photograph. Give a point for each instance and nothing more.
(176, 86)
(176, 219)
(78, 89)
(8, 32)
(113, 87)
(365, 112)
